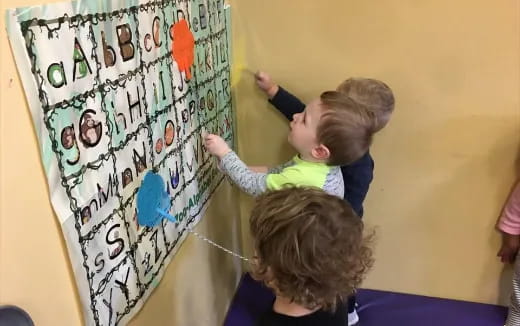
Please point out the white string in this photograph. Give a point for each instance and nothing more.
(200, 236)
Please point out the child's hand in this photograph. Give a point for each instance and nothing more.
(216, 145)
(264, 81)
(509, 249)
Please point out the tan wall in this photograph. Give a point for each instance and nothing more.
(34, 267)
(445, 163)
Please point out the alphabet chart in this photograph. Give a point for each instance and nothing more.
(117, 88)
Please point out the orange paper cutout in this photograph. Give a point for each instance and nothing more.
(182, 46)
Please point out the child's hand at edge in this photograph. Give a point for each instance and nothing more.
(216, 145)
(265, 83)
(509, 248)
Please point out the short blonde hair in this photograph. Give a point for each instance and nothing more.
(372, 94)
(310, 246)
(345, 128)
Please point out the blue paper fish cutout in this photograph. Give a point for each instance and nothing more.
(153, 203)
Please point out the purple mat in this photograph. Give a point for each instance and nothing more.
(377, 308)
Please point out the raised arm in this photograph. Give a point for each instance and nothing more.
(280, 98)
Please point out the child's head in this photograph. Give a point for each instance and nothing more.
(309, 245)
(372, 94)
(334, 129)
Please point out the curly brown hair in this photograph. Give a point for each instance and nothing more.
(310, 246)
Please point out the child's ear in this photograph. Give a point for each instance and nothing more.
(321, 152)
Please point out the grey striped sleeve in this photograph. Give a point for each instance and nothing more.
(334, 183)
(253, 183)
(279, 168)
(513, 317)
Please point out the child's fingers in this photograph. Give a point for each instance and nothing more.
(506, 256)
(203, 133)
(500, 252)
(214, 137)
(260, 76)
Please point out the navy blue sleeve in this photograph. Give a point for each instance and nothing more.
(287, 103)
(357, 177)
